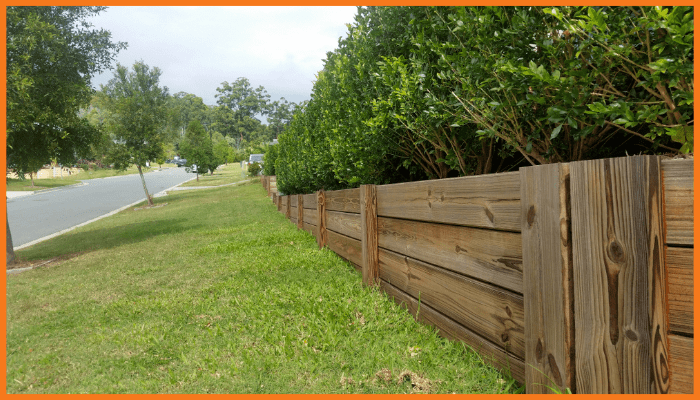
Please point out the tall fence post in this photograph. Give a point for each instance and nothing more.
(619, 276)
(300, 211)
(370, 249)
(547, 284)
(321, 210)
(288, 211)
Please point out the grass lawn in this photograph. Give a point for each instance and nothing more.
(39, 184)
(225, 174)
(213, 291)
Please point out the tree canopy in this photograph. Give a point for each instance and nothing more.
(197, 148)
(137, 116)
(52, 53)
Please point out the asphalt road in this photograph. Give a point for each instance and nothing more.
(45, 213)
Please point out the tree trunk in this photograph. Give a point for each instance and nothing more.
(148, 196)
(197, 173)
(10, 249)
(31, 176)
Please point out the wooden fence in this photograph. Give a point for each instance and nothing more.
(575, 275)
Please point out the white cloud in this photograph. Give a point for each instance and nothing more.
(197, 48)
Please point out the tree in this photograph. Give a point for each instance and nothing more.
(196, 147)
(188, 107)
(280, 115)
(52, 53)
(137, 117)
(243, 104)
(51, 56)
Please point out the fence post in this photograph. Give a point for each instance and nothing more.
(300, 211)
(370, 249)
(547, 284)
(288, 211)
(321, 210)
(619, 276)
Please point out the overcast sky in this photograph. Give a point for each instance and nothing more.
(198, 48)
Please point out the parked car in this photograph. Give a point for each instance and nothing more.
(181, 162)
(191, 168)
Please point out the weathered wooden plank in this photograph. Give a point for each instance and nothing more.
(312, 229)
(491, 256)
(547, 283)
(487, 201)
(368, 221)
(347, 200)
(681, 364)
(300, 211)
(678, 199)
(310, 216)
(619, 278)
(679, 262)
(349, 224)
(494, 313)
(310, 201)
(283, 201)
(322, 237)
(450, 329)
(294, 200)
(288, 210)
(293, 213)
(346, 247)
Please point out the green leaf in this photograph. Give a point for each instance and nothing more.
(555, 132)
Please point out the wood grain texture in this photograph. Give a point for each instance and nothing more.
(293, 213)
(491, 312)
(347, 200)
(349, 224)
(300, 211)
(487, 201)
(294, 200)
(288, 210)
(368, 220)
(310, 201)
(681, 364)
(346, 247)
(678, 199)
(322, 236)
(679, 262)
(312, 229)
(450, 329)
(546, 279)
(310, 216)
(491, 256)
(619, 277)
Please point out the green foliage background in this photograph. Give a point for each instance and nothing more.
(434, 92)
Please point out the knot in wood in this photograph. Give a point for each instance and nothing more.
(531, 216)
(631, 335)
(504, 336)
(539, 350)
(616, 252)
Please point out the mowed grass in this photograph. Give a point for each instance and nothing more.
(215, 292)
(225, 174)
(40, 184)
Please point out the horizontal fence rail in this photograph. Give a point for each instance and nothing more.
(571, 276)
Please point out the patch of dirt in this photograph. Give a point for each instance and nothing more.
(418, 383)
(346, 381)
(384, 374)
(51, 262)
(153, 206)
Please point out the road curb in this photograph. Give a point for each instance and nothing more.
(31, 192)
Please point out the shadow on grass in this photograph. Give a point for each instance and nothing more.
(105, 238)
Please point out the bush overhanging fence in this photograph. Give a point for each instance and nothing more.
(575, 275)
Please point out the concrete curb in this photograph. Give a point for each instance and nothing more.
(14, 194)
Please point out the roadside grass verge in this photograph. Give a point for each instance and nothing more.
(216, 292)
(40, 184)
(225, 174)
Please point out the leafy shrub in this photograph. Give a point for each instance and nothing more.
(433, 92)
(254, 169)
